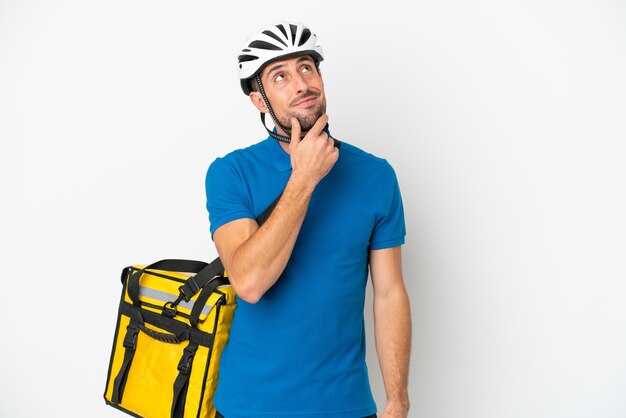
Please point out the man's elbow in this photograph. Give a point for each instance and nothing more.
(247, 288)
(249, 296)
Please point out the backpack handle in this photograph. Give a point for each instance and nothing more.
(172, 264)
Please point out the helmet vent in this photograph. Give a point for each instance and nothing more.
(246, 58)
(282, 29)
(293, 28)
(273, 35)
(264, 45)
(306, 34)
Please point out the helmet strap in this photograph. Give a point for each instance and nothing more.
(273, 134)
(271, 111)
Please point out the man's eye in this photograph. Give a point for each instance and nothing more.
(279, 77)
(306, 68)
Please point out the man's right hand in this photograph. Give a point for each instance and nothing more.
(313, 156)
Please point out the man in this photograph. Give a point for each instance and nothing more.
(297, 343)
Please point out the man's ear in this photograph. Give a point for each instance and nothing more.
(258, 102)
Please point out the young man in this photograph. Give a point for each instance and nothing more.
(297, 343)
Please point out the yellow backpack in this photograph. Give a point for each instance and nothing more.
(171, 329)
(173, 323)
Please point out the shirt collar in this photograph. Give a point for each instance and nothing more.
(282, 160)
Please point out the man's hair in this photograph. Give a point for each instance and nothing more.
(254, 84)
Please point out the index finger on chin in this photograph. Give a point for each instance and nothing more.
(319, 125)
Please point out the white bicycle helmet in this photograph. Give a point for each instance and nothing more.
(273, 42)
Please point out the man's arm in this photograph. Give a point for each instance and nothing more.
(392, 319)
(254, 256)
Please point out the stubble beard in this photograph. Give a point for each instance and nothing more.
(306, 121)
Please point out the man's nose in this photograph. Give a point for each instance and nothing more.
(299, 84)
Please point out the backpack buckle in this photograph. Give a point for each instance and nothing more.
(130, 339)
(184, 365)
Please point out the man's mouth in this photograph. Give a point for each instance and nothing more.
(305, 101)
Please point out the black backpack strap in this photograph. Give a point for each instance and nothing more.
(130, 344)
(267, 212)
(182, 380)
(204, 297)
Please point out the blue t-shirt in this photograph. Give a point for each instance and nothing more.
(300, 350)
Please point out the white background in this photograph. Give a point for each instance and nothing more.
(504, 121)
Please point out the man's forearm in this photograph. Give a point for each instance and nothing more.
(393, 344)
(261, 259)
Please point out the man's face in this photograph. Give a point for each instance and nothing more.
(294, 88)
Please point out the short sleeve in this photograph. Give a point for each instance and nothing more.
(389, 229)
(225, 197)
